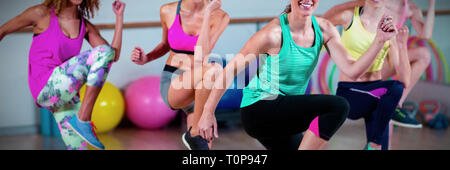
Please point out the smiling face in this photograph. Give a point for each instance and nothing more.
(376, 3)
(304, 7)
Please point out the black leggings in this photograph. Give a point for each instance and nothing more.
(278, 124)
(374, 101)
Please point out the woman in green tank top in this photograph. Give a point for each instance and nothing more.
(274, 107)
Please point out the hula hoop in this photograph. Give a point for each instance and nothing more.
(330, 79)
(322, 74)
(415, 40)
(439, 53)
(441, 62)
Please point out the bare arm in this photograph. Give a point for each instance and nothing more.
(95, 39)
(260, 43)
(355, 69)
(424, 29)
(93, 35)
(27, 18)
(138, 55)
(342, 14)
(398, 56)
(118, 8)
(163, 47)
(208, 39)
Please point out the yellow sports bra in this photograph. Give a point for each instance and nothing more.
(357, 40)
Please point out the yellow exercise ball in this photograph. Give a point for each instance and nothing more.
(109, 108)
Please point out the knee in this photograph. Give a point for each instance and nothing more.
(425, 55)
(105, 52)
(396, 88)
(342, 107)
(211, 71)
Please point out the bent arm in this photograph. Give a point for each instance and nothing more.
(351, 68)
(27, 18)
(207, 38)
(257, 45)
(117, 40)
(342, 14)
(424, 29)
(163, 47)
(93, 35)
(398, 56)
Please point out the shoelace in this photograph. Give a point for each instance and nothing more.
(93, 128)
(400, 112)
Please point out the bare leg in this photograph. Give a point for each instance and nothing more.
(189, 120)
(201, 95)
(420, 60)
(181, 98)
(91, 94)
(312, 142)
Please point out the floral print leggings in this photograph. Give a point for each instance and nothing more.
(61, 91)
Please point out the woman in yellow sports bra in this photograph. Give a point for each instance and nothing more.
(419, 57)
(370, 97)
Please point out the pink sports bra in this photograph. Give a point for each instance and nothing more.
(179, 41)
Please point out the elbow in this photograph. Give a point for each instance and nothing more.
(354, 73)
(354, 76)
(2, 34)
(426, 36)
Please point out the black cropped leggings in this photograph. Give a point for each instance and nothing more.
(278, 123)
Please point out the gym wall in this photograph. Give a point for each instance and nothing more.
(16, 104)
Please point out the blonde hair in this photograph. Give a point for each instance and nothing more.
(87, 8)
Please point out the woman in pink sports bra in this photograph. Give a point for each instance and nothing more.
(186, 77)
(420, 57)
(57, 70)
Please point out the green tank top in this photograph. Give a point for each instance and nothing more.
(289, 72)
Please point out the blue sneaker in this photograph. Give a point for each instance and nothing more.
(86, 131)
(402, 118)
(194, 143)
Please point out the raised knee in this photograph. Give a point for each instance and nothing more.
(425, 55)
(214, 67)
(342, 107)
(106, 52)
(212, 70)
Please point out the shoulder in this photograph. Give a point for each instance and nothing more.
(328, 29)
(38, 11)
(347, 15)
(340, 14)
(414, 8)
(221, 14)
(271, 33)
(324, 24)
(168, 8)
(220, 17)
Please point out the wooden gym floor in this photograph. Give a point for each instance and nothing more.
(351, 136)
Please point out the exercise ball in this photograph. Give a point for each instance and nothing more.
(231, 99)
(108, 109)
(145, 106)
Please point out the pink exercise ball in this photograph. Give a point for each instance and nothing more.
(145, 107)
